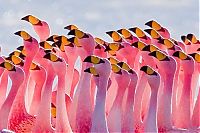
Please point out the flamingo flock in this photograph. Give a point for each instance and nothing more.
(141, 81)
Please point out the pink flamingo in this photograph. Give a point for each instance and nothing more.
(115, 113)
(161, 30)
(18, 112)
(17, 76)
(81, 103)
(127, 119)
(168, 65)
(62, 122)
(184, 106)
(40, 27)
(43, 120)
(115, 36)
(192, 38)
(127, 35)
(150, 121)
(99, 123)
(99, 49)
(141, 35)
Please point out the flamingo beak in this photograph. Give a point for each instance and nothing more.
(26, 18)
(119, 31)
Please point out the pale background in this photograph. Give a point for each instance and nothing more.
(97, 17)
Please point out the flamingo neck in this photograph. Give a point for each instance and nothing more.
(5, 109)
(187, 84)
(131, 94)
(36, 98)
(101, 94)
(120, 94)
(168, 84)
(62, 122)
(3, 86)
(43, 119)
(151, 120)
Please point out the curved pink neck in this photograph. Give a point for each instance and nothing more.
(3, 86)
(99, 109)
(43, 120)
(5, 109)
(150, 124)
(142, 81)
(62, 122)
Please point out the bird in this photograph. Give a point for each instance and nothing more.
(17, 76)
(122, 77)
(184, 106)
(127, 116)
(80, 121)
(153, 78)
(115, 36)
(127, 35)
(99, 122)
(168, 65)
(161, 30)
(41, 27)
(62, 122)
(141, 35)
(19, 112)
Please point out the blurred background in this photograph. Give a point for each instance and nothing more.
(179, 16)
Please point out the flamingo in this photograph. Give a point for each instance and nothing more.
(184, 106)
(127, 35)
(141, 35)
(127, 119)
(115, 36)
(168, 65)
(18, 112)
(17, 76)
(161, 30)
(122, 77)
(81, 103)
(99, 123)
(62, 122)
(43, 120)
(40, 27)
(150, 122)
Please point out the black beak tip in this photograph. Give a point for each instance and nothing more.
(50, 38)
(183, 38)
(119, 31)
(2, 64)
(143, 68)
(87, 59)
(149, 23)
(102, 61)
(175, 54)
(189, 36)
(132, 29)
(66, 27)
(148, 31)
(86, 36)
(17, 33)
(71, 32)
(151, 54)
(87, 70)
(25, 18)
(109, 33)
(120, 64)
(131, 71)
